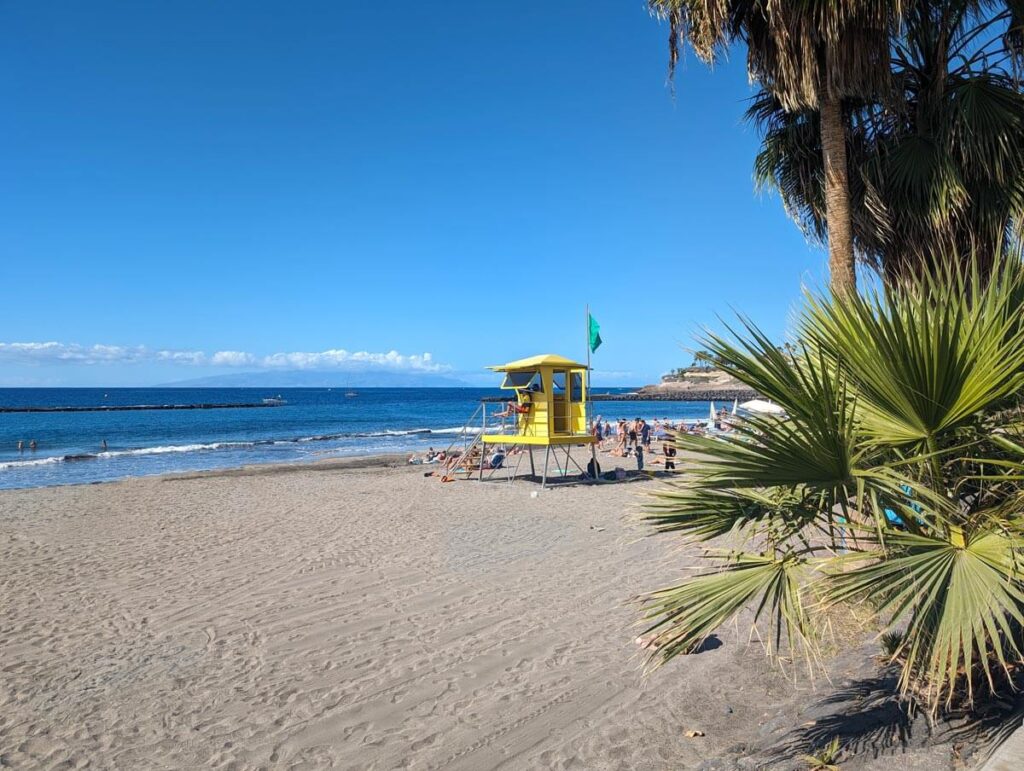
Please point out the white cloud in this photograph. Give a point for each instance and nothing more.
(182, 357)
(342, 359)
(335, 358)
(61, 352)
(232, 359)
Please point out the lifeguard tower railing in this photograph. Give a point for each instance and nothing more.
(469, 435)
(491, 418)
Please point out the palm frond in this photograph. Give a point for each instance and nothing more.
(773, 587)
(960, 600)
(899, 467)
(921, 368)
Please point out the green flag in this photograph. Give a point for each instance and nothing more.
(595, 333)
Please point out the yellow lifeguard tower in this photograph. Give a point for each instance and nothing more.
(549, 410)
(550, 407)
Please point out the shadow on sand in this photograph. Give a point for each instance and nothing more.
(871, 721)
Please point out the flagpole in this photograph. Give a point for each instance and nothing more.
(586, 332)
(587, 392)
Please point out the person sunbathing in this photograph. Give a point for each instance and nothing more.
(454, 460)
(463, 463)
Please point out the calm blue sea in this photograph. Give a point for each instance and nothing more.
(314, 423)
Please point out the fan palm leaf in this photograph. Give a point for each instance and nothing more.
(922, 368)
(896, 480)
(936, 161)
(774, 587)
(961, 600)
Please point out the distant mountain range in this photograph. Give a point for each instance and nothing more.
(317, 379)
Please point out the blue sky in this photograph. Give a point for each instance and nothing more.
(312, 184)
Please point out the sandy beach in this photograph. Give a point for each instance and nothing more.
(357, 616)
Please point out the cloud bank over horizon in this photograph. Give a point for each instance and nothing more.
(41, 353)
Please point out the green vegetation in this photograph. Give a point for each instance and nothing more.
(893, 131)
(936, 162)
(895, 483)
(824, 758)
(808, 55)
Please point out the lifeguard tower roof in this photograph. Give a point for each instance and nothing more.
(543, 360)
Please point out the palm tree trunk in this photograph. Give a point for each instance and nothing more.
(837, 196)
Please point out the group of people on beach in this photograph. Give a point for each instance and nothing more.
(451, 462)
(632, 438)
(623, 439)
(635, 438)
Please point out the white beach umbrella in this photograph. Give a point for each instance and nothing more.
(712, 412)
(735, 405)
(760, 405)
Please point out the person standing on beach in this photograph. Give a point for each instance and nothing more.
(633, 429)
(645, 434)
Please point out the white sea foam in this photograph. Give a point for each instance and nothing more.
(33, 462)
(461, 429)
(163, 449)
(158, 450)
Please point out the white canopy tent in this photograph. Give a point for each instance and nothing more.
(762, 406)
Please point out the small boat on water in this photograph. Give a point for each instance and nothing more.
(274, 401)
(350, 394)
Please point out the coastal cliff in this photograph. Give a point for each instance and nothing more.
(697, 384)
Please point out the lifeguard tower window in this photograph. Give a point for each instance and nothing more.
(530, 380)
(562, 400)
(575, 382)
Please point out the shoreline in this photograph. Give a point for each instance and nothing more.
(97, 447)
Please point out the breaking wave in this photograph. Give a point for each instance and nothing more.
(215, 446)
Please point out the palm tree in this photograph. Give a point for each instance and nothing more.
(938, 168)
(703, 359)
(809, 55)
(894, 482)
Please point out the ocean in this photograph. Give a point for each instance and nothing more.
(314, 423)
